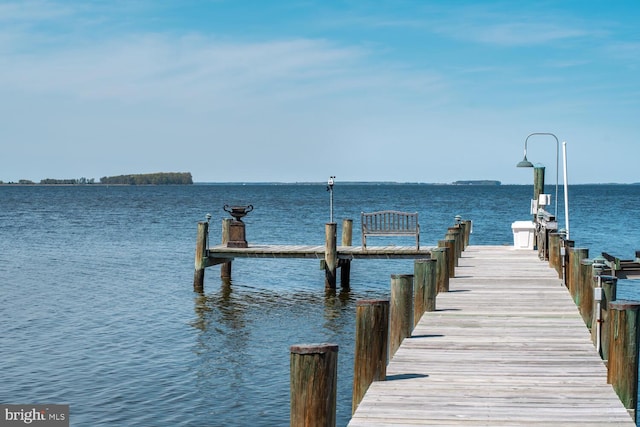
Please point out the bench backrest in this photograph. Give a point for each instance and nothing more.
(390, 222)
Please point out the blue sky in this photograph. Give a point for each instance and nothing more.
(289, 91)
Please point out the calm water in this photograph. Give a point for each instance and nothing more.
(98, 309)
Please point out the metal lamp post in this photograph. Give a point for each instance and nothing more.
(527, 164)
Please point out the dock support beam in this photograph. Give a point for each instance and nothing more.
(200, 258)
(225, 268)
(330, 256)
(313, 385)
(345, 264)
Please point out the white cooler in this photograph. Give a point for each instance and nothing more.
(523, 232)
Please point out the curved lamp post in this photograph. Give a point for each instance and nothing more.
(527, 164)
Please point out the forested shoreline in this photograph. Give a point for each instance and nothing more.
(159, 178)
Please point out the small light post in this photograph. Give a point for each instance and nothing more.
(330, 184)
(207, 242)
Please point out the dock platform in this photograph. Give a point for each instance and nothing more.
(221, 253)
(505, 347)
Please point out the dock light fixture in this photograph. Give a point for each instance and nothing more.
(527, 164)
(330, 184)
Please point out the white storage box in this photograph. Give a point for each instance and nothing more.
(523, 232)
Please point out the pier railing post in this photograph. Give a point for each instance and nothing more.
(623, 352)
(200, 256)
(401, 308)
(313, 385)
(330, 256)
(225, 267)
(372, 346)
(345, 264)
(442, 268)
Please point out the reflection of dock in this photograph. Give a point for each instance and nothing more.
(221, 253)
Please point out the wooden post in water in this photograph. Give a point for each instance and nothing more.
(609, 295)
(442, 268)
(330, 256)
(401, 308)
(576, 255)
(200, 256)
(345, 264)
(372, 346)
(313, 384)
(225, 268)
(623, 351)
(451, 255)
(585, 291)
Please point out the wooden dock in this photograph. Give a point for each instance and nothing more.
(506, 346)
(221, 253)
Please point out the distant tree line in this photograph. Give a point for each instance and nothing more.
(160, 178)
(79, 181)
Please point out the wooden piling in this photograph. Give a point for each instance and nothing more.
(419, 288)
(313, 384)
(451, 255)
(467, 231)
(623, 351)
(200, 256)
(538, 184)
(225, 267)
(554, 253)
(609, 295)
(401, 310)
(566, 273)
(442, 268)
(463, 242)
(431, 289)
(372, 346)
(584, 291)
(453, 233)
(576, 255)
(345, 264)
(330, 256)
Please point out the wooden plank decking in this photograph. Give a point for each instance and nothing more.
(506, 347)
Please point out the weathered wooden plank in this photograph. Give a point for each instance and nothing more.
(221, 252)
(506, 346)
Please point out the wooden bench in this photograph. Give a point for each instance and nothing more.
(390, 223)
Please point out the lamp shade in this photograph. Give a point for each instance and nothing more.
(525, 163)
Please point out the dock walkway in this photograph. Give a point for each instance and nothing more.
(506, 347)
